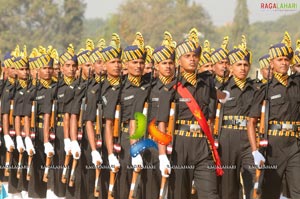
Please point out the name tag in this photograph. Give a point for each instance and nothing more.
(275, 96)
(155, 99)
(129, 97)
(40, 97)
(104, 100)
(61, 95)
(184, 99)
(21, 93)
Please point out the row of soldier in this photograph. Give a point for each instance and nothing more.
(75, 131)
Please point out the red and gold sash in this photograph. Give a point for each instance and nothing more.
(195, 109)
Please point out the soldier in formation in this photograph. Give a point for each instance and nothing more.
(70, 121)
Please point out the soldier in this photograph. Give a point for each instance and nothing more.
(234, 146)
(68, 61)
(102, 93)
(148, 61)
(43, 147)
(164, 62)
(81, 179)
(205, 63)
(282, 152)
(296, 60)
(19, 185)
(134, 59)
(191, 156)
(56, 64)
(220, 63)
(90, 119)
(264, 64)
(6, 96)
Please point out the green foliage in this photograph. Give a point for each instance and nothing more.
(153, 17)
(240, 21)
(71, 23)
(40, 22)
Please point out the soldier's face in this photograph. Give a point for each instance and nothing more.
(33, 73)
(188, 62)
(206, 67)
(280, 64)
(148, 68)
(264, 73)
(46, 72)
(85, 69)
(240, 69)
(220, 67)
(55, 70)
(166, 68)
(98, 67)
(69, 68)
(23, 73)
(135, 67)
(12, 72)
(113, 67)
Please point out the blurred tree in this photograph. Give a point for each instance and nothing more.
(71, 23)
(148, 17)
(40, 22)
(24, 20)
(240, 21)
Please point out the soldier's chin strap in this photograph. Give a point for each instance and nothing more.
(195, 109)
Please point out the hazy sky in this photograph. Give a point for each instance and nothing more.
(221, 11)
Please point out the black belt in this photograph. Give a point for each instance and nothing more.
(235, 122)
(188, 127)
(284, 127)
(125, 127)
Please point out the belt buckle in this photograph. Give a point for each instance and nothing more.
(195, 128)
(287, 126)
(240, 122)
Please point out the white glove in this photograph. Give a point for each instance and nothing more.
(164, 164)
(67, 145)
(20, 144)
(113, 162)
(258, 157)
(29, 145)
(96, 157)
(48, 149)
(8, 142)
(75, 148)
(137, 162)
(226, 98)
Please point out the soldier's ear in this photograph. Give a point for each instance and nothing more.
(104, 66)
(230, 69)
(272, 63)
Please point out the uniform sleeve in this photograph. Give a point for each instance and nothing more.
(27, 102)
(139, 101)
(18, 103)
(110, 101)
(165, 98)
(255, 110)
(213, 90)
(212, 108)
(5, 100)
(78, 96)
(91, 106)
(46, 105)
